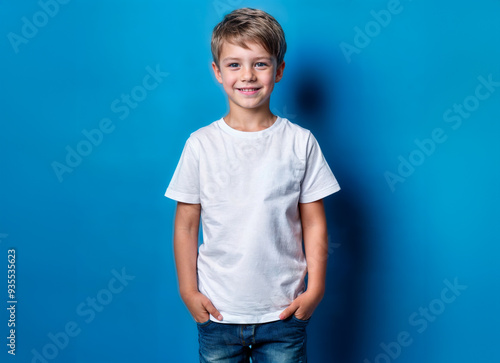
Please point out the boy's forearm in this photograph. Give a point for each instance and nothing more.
(186, 247)
(185, 262)
(316, 262)
(315, 236)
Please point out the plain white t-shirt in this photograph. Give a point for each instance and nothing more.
(251, 264)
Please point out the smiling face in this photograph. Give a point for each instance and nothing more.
(247, 75)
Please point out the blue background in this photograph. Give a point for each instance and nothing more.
(391, 248)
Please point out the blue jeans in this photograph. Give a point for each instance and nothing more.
(282, 341)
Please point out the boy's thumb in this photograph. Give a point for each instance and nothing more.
(212, 310)
(287, 312)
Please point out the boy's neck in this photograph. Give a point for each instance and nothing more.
(250, 120)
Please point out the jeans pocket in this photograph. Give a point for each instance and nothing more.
(300, 320)
(204, 324)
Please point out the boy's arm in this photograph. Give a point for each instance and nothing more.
(187, 222)
(315, 236)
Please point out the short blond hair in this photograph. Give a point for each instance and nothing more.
(245, 25)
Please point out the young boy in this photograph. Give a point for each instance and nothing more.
(257, 181)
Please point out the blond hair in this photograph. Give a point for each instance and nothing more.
(245, 25)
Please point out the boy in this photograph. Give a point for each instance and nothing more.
(257, 181)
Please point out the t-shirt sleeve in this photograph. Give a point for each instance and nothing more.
(318, 181)
(185, 184)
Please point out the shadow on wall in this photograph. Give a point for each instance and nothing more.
(336, 331)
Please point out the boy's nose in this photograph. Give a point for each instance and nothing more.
(247, 74)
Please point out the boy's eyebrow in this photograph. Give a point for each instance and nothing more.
(235, 58)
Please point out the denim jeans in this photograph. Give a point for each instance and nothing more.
(282, 341)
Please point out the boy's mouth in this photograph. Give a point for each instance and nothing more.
(248, 91)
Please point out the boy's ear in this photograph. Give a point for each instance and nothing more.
(217, 72)
(279, 72)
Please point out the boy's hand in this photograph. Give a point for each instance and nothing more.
(200, 306)
(303, 306)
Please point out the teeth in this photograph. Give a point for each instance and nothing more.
(248, 89)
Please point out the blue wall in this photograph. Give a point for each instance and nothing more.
(98, 98)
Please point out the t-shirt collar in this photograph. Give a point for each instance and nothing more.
(249, 134)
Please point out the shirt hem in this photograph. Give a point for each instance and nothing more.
(321, 194)
(182, 197)
(247, 319)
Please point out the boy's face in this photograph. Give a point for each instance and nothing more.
(247, 75)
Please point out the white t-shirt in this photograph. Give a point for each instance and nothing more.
(249, 184)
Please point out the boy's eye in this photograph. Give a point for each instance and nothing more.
(233, 65)
(261, 64)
